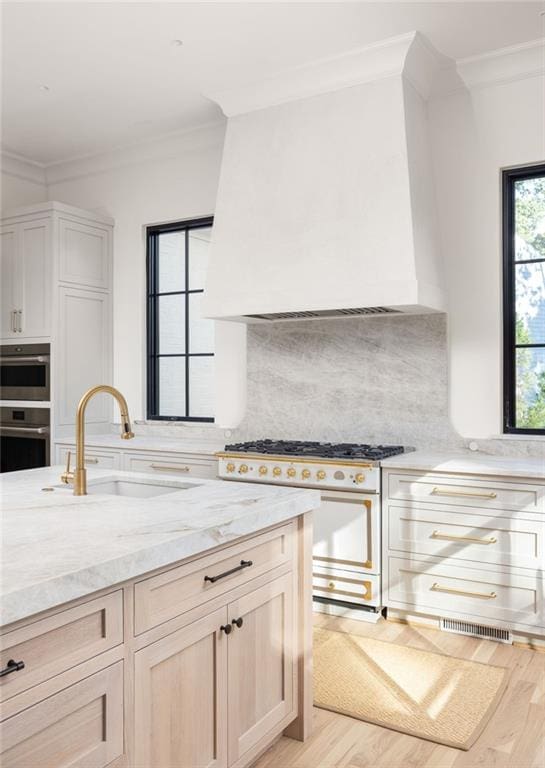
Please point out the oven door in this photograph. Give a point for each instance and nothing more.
(24, 377)
(24, 438)
(347, 532)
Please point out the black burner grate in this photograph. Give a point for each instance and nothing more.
(319, 450)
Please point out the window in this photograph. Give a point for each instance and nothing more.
(524, 299)
(180, 341)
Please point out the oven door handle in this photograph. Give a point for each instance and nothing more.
(24, 359)
(7, 430)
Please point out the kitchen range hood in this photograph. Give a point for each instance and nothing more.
(326, 202)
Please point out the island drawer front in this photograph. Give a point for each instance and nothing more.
(78, 727)
(169, 594)
(348, 586)
(94, 457)
(501, 595)
(54, 644)
(496, 539)
(465, 490)
(161, 464)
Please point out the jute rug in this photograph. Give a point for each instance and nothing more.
(421, 693)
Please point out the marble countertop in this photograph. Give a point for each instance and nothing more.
(149, 443)
(57, 547)
(471, 462)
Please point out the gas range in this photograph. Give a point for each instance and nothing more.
(343, 466)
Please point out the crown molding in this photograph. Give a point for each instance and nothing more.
(504, 65)
(22, 168)
(163, 147)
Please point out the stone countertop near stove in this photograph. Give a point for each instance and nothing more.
(57, 547)
(469, 463)
(207, 447)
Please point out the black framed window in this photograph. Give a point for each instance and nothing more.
(180, 341)
(524, 299)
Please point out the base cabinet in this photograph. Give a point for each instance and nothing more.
(203, 696)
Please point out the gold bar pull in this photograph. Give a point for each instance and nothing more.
(470, 539)
(447, 590)
(91, 460)
(167, 468)
(465, 494)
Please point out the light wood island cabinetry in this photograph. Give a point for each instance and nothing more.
(208, 680)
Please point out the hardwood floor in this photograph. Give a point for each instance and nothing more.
(514, 737)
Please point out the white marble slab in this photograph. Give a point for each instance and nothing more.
(57, 547)
(472, 463)
(149, 443)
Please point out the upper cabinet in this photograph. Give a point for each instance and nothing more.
(84, 254)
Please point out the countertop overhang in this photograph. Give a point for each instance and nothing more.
(57, 547)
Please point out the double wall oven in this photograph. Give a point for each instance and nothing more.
(24, 413)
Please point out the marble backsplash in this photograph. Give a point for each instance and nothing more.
(381, 379)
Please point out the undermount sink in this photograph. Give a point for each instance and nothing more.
(136, 489)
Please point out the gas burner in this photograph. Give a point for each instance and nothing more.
(295, 448)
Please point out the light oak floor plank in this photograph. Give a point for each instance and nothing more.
(514, 737)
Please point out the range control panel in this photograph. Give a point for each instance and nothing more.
(300, 473)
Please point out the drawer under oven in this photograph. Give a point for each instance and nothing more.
(348, 587)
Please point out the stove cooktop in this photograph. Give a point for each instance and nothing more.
(302, 448)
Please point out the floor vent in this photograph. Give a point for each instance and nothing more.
(476, 630)
(312, 314)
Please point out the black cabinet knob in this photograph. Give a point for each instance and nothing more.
(12, 666)
(237, 622)
(227, 628)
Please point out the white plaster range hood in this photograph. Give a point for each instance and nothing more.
(326, 203)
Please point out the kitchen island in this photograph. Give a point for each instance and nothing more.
(147, 611)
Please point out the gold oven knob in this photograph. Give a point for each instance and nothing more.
(331, 585)
(305, 474)
(291, 472)
(320, 474)
(263, 470)
(230, 467)
(243, 469)
(360, 477)
(277, 471)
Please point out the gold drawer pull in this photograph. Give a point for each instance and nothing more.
(472, 539)
(91, 460)
(481, 595)
(168, 468)
(466, 494)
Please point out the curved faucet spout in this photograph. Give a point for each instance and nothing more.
(79, 476)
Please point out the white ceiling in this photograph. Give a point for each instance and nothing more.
(115, 78)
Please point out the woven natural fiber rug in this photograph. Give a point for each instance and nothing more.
(421, 693)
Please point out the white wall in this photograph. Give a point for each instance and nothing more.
(475, 134)
(22, 183)
(176, 179)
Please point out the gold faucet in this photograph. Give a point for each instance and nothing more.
(79, 475)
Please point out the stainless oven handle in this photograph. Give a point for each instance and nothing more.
(25, 359)
(5, 430)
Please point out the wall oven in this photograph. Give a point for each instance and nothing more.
(24, 372)
(24, 438)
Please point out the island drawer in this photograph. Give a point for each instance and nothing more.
(81, 725)
(466, 490)
(163, 464)
(58, 642)
(169, 594)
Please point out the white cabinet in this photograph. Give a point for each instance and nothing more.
(84, 253)
(26, 280)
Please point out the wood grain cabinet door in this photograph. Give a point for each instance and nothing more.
(261, 661)
(181, 698)
(79, 727)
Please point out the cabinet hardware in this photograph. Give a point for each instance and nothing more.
(91, 460)
(243, 564)
(466, 494)
(25, 359)
(20, 323)
(237, 622)
(25, 430)
(12, 319)
(481, 595)
(471, 539)
(227, 628)
(168, 468)
(12, 666)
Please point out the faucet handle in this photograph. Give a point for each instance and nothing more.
(67, 476)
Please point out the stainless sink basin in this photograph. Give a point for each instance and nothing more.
(136, 489)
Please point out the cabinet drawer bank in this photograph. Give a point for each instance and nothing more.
(97, 678)
(467, 547)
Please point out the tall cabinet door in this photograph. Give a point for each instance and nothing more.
(181, 698)
(9, 243)
(261, 664)
(35, 271)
